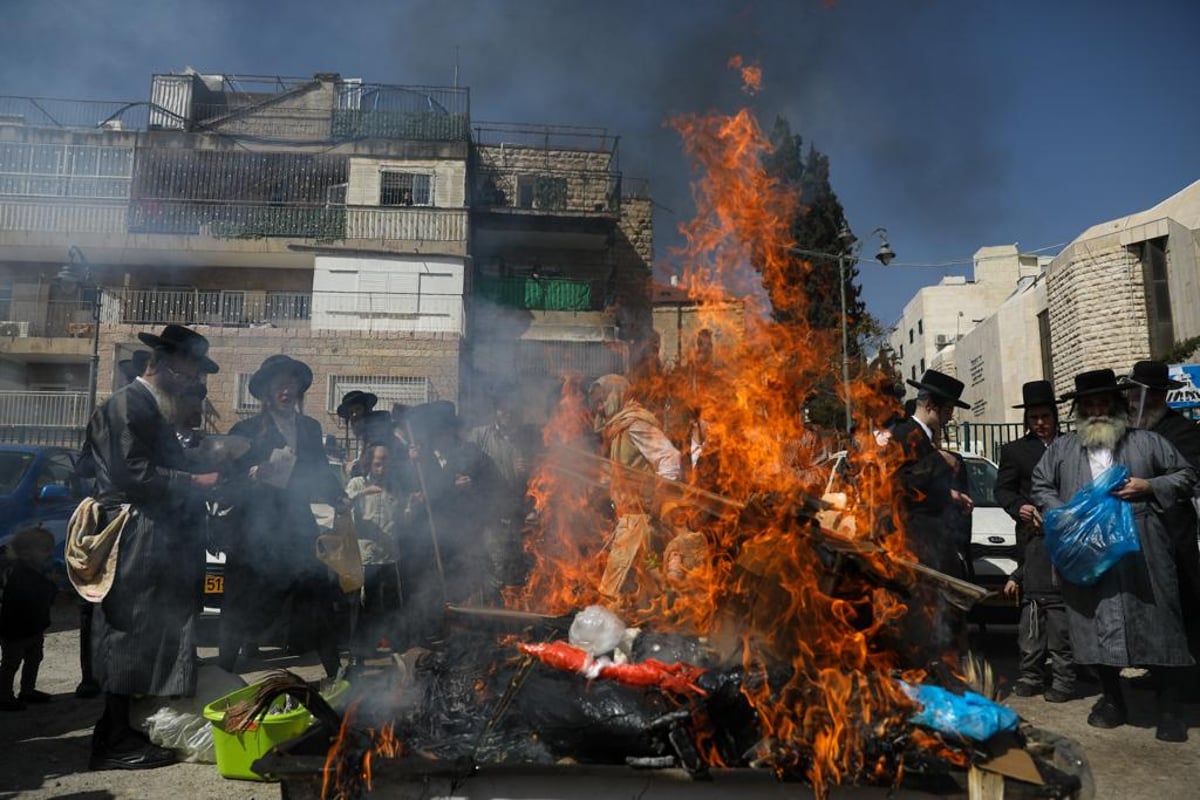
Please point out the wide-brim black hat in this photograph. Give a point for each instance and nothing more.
(939, 384)
(178, 340)
(277, 365)
(1096, 381)
(1037, 393)
(134, 366)
(1153, 375)
(377, 428)
(356, 398)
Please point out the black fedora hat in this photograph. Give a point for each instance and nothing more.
(356, 398)
(1037, 393)
(182, 341)
(941, 385)
(1096, 381)
(135, 365)
(1153, 375)
(276, 365)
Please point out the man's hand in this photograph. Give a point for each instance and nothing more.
(1133, 489)
(1029, 514)
(205, 481)
(962, 499)
(1011, 589)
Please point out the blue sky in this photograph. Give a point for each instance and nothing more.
(954, 123)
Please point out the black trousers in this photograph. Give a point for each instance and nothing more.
(378, 608)
(1044, 634)
(24, 654)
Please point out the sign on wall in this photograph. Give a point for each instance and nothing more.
(1189, 395)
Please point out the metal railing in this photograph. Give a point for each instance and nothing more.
(542, 294)
(547, 191)
(52, 318)
(211, 307)
(547, 137)
(58, 112)
(43, 409)
(63, 216)
(987, 438)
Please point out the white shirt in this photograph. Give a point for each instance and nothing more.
(926, 428)
(1099, 459)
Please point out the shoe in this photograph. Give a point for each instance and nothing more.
(87, 689)
(137, 756)
(1171, 729)
(1026, 689)
(1106, 714)
(1053, 695)
(34, 696)
(11, 704)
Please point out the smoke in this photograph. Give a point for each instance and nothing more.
(891, 91)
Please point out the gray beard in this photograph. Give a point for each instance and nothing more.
(1101, 433)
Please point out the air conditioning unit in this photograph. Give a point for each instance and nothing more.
(943, 340)
(14, 329)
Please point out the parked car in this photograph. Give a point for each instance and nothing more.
(993, 534)
(38, 486)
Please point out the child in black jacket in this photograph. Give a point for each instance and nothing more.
(24, 616)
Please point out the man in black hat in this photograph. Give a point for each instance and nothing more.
(144, 631)
(1043, 628)
(1150, 382)
(1131, 616)
(925, 478)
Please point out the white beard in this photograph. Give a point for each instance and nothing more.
(1101, 433)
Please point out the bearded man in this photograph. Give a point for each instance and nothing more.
(635, 439)
(1131, 616)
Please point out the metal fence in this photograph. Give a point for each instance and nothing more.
(43, 409)
(35, 435)
(987, 438)
(211, 307)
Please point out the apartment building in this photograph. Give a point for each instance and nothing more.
(348, 224)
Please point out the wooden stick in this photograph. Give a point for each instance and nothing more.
(437, 553)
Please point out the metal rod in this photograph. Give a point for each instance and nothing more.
(845, 342)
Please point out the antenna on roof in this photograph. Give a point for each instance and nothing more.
(455, 66)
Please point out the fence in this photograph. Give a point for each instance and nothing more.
(212, 307)
(44, 409)
(987, 438)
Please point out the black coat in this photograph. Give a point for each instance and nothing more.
(26, 601)
(274, 547)
(143, 636)
(1181, 522)
(921, 486)
(1034, 574)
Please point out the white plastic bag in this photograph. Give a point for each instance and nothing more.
(596, 630)
(179, 723)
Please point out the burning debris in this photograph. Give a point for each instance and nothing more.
(762, 642)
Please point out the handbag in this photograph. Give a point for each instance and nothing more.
(337, 547)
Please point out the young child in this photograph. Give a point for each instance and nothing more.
(25, 616)
(377, 513)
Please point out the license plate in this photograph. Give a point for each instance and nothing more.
(214, 584)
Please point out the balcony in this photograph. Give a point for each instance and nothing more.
(542, 294)
(211, 307)
(43, 409)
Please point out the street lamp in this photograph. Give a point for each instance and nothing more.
(77, 273)
(851, 248)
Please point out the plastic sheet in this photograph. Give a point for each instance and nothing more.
(966, 716)
(1093, 531)
(596, 630)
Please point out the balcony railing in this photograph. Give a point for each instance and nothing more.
(541, 294)
(62, 216)
(43, 409)
(49, 318)
(212, 307)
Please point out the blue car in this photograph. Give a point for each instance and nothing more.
(38, 485)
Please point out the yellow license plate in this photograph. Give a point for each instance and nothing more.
(214, 584)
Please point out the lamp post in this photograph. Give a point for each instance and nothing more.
(851, 248)
(77, 272)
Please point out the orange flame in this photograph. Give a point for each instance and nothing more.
(751, 75)
(347, 770)
(764, 596)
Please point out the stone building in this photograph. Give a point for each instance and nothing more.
(939, 316)
(679, 319)
(366, 229)
(1126, 290)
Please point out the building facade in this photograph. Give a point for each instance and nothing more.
(362, 228)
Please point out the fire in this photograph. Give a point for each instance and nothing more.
(347, 772)
(765, 597)
(751, 75)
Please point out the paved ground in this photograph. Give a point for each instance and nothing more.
(43, 751)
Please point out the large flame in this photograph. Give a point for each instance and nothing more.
(765, 598)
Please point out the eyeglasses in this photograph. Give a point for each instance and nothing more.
(182, 377)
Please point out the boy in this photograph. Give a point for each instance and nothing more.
(25, 616)
(377, 514)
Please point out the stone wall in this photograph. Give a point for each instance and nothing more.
(677, 327)
(633, 260)
(1096, 296)
(589, 184)
(239, 351)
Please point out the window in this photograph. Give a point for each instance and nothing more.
(405, 188)
(56, 170)
(902, 351)
(922, 365)
(6, 289)
(921, 327)
(390, 389)
(1158, 297)
(541, 191)
(244, 400)
(910, 336)
(914, 373)
(58, 468)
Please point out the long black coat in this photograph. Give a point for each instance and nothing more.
(1181, 522)
(1034, 574)
(921, 492)
(274, 549)
(143, 635)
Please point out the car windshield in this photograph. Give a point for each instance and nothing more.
(13, 466)
(982, 475)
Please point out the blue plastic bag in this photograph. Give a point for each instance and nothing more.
(1095, 530)
(966, 716)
